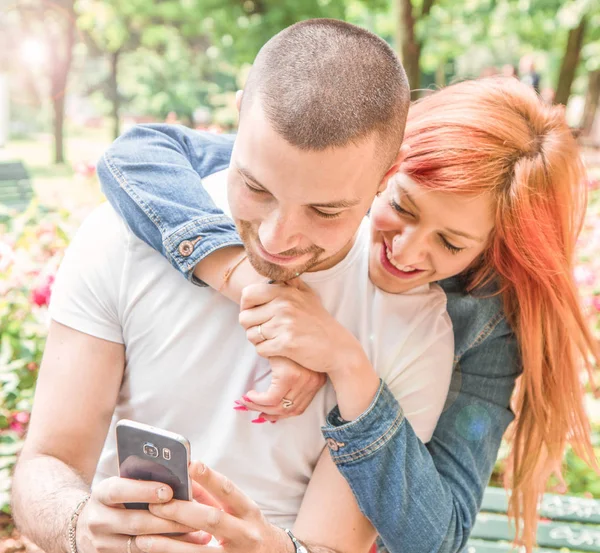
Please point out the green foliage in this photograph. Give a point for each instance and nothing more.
(31, 246)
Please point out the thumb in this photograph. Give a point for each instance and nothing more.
(271, 397)
(298, 283)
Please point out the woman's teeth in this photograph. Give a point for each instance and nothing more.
(403, 269)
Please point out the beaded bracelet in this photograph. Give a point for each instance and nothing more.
(73, 523)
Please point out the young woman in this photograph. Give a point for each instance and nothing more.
(511, 297)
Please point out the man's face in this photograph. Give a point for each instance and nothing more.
(295, 210)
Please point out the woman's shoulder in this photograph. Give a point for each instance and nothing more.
(476, 316)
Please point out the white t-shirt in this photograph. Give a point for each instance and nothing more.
(188, 360)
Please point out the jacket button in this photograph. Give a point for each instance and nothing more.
(186, 248)
(333, 445)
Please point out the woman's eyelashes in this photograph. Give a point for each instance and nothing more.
(444, 241)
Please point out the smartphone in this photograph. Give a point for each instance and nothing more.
(156, 455)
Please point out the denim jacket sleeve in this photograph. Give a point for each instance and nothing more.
(152, 176)
(424, 499)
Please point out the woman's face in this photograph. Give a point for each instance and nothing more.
(419, 236)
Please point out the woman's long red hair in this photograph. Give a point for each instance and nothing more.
(496, 136)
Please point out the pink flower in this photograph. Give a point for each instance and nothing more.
(596, 303)
(40, 296)
(17, 427)
(22, 417)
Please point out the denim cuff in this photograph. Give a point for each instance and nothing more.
(354, 440)
(194, 241)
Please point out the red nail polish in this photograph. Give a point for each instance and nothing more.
(259, 420)
(240, 408)
(246, 398)
(238, 402)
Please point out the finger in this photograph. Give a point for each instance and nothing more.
(221, 524)
(257, 334)
(138, 522)
(223, 490)
(115, 491)
(164, 544)
(199, 538)
(273, 396)
(200, 495)
(259, 294)
(256, 316)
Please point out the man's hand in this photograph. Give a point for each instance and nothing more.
(289, 382)
(105, 525)
(239, 524)
(289, 320)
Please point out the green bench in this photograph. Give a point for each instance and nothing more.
(568, 524)
(15, 186)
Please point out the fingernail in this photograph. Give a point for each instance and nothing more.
(241, 408)
(272, 422)
(162, 494)
(144, 542)
(259, 420)
(246, 398)
(238, 402)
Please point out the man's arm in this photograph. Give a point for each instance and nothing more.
(75, 397)
(330, 515)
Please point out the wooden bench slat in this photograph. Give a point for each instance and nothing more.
(581, 537)
(480, 546)
(13, 170)
(554, 507)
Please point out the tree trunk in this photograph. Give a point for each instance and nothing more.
(592, 100)
(569, 63)
(408, 46)
(114, 92)
(61, 65)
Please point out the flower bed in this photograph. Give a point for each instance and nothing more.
(31, 247)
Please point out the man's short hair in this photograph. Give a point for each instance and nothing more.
(324, 83)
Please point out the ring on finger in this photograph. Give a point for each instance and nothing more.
(129, 541)
(261, 333)
(286, 403)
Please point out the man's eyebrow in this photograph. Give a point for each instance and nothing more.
(340, 204)
(248, 175)
(337, 205)
(449, 230)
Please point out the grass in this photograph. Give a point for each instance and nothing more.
(62, 185)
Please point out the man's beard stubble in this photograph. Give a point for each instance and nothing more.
(270, 270)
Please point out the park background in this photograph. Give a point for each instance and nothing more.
(74, 74)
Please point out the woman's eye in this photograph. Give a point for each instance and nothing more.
(450, 247)
(397, 207)
(326, 215)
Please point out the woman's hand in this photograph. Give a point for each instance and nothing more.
(289, 320)
(292, 390)
(237, 523)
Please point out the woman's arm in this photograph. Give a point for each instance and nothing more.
(151, 175)
(426, 498)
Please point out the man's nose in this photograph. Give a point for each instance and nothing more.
(280, 231)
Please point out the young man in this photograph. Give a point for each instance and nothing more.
(322, 122)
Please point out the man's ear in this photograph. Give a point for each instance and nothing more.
(238, 99)
(395, 167)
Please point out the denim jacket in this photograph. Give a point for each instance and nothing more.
(420, 498)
